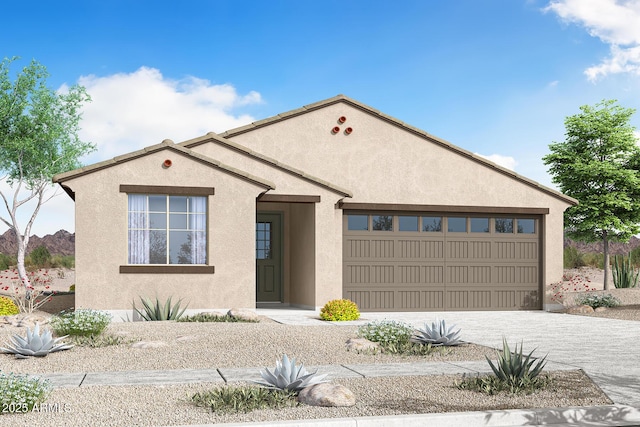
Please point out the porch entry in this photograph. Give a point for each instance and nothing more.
(269, 257)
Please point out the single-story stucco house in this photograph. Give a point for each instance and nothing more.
(332, 200)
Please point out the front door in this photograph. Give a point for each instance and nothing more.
(269, 257)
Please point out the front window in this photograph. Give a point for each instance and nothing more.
(166, 229)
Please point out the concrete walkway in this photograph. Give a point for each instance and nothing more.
(606, 349)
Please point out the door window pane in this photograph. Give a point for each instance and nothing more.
(504, 225)
(456, 224)
(382, 222)
(526, 226)
(263, 240)
(358, 222)
(432, 223)
(408, 223)
(479, 225)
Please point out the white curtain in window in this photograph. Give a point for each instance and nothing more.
(138, 231)
(198, 226)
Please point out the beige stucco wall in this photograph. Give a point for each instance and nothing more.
(383, 163)
(101, 236)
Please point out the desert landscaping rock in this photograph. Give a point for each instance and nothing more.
(149, 344)
(360, 345)
(580, 309)
(26, 320)
(327, 394)
(243, 314)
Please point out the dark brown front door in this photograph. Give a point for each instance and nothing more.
(269, 257)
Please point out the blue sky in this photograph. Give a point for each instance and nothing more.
(495, 77)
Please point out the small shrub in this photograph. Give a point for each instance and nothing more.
(8, 307)
(572, 258)
(7, 261)
(72, 288)
(156, 312)
(40, 257)
(63, 261)
(635, 257)
(596, 300)
(82, 322)
(492, 385)
(244, 399)
(97, 341)
(20, 393)
(212, 317)
(593, 260)
(624, 274)
(387, 333)
(340, 310)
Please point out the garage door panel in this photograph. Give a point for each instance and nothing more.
(437, 271)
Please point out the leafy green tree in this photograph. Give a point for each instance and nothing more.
(38, 139)
(599, 165)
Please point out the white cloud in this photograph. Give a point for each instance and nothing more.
(615, 22)
(504, 161)
(135, 110)
(130, 111)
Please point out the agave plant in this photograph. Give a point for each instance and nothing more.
(516, 369)
(437, 335)
(34, 344)
(155, 311)
(288, 376)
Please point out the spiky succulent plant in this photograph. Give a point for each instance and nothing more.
(34, 344)
(288, 376)
(437, 335)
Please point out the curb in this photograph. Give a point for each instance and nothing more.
(609, 415)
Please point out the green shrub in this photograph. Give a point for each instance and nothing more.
(244, 399)
(72, 288)
(7, 261)
(340, 309)
(8, 307)
(634, 255)
(624, 275)
(597, 300)
(593, 260)
(63, 261)
(572, 258)
(97, 341)
(40, 257)
(212, 317)
(156, 312)
(82, 322)
(387, 333)
(20, 393)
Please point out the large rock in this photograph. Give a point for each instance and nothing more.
(243, 314)
(580, 309)
(327, 394)
(363, 345)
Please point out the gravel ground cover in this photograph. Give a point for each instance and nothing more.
(218, 345)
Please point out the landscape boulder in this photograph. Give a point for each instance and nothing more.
(363, 345)
(580, 309)
(327, 394)
(28, 320)
(243, 314)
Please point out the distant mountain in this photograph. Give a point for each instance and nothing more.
(60, 243)
(615, 248)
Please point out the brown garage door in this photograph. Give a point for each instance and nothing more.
(434, 262)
